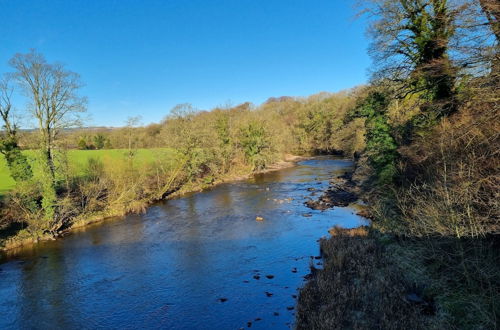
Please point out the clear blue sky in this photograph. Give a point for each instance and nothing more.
(143, 57)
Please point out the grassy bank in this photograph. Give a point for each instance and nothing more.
(13, 239)
(78, 159)
(360, 287)
(374, 281)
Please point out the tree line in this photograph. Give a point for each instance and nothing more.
(194, 148)
(425, 129)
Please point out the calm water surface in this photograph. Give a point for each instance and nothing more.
(169, 268)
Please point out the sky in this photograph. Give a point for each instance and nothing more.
(142, 57)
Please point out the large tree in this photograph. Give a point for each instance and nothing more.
(411, 46)
(55, 103)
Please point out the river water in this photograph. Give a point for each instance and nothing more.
(197, 262)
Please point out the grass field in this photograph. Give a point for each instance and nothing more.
(78, 159)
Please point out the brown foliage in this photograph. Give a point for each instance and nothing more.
(359, 288)
(453, 176)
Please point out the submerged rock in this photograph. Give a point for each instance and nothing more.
(270, 276)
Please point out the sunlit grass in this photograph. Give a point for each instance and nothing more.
(78, 159)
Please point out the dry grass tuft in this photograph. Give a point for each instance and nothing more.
(353, 232)
(359, 288)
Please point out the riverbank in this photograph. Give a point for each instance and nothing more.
(24, 238)
(361, 285)
(239, 271)
(374, 278)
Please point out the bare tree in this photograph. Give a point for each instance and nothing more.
(6, 91)
(130, 124)
(55, 103)
(19, 167)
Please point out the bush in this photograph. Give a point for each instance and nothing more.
(255, 144)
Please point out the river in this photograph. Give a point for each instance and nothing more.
(201, 261)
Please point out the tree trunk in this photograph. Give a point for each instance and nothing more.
(49, 155)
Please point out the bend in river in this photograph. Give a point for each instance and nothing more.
(196, 262)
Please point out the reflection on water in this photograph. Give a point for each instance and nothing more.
(169, 267)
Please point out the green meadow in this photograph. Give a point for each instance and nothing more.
(78, 159)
